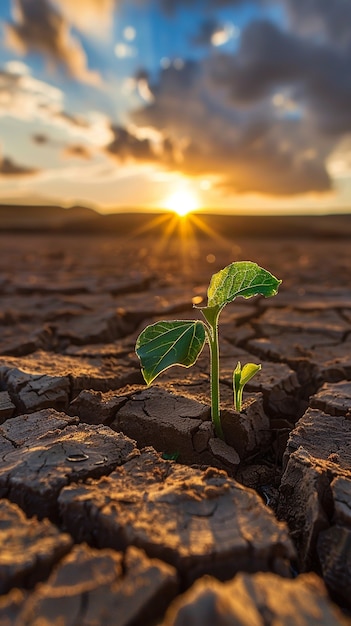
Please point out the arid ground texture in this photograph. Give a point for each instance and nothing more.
(118, 505)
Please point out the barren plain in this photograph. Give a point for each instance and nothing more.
(118, 505)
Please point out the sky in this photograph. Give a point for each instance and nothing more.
(229, 105)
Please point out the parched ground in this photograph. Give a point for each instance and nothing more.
(118, 505)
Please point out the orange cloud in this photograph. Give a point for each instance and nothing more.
(92, 16)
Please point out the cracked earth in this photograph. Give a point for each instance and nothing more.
(118, 505)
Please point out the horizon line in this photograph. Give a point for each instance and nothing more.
(226, 212)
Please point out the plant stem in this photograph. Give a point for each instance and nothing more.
(211, 315)
(212, 335)
(238, 399)
(215, 395)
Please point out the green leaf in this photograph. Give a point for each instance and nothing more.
(241, 376)
(168, 343)
(248, 371)
(242, 278)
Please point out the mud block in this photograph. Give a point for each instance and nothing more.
(247, 431)
(5, 446)
(33, 392)
(224, 453)
(33, 475)
(29, 548)
(19, 339)
(7, 407)
(95, 407)
(91, 328)
(324, 437)
(198, 521)
(164, 420)
(45, 379)
(317, 464)
(254, 600)
(275, 321)
(334, 553)
(103, 587)
(333, 398)
(31, 427)
(315, 357)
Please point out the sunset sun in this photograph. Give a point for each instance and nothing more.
(182, 202)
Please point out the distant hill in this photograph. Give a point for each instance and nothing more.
(78, 219)
(23, 217)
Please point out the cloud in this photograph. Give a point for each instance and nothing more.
(8, 167)
(39, 27)
(40, 139)
(248, 148)
(269, 159)
(280, 161)
(92, 16)
(206, 31)
(26, 98)
(334, 16)
(317, 74)
(171, 6)
(127, 146)
(266, 118)
(212, 33)
(77, 151)
(331, 18)
(328, 18)
(339, 161)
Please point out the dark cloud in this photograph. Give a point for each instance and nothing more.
(280, 162)
(267, 57)
(267, 118)
(38, 26)
(316, 74)
(126, 146)
(268, 159)
(77, 151)
(329, 17)
(248, 148)
(8, 167)
(309, 16)
(40, 139)
(171, 6)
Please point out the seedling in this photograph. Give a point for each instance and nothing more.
(180, 342)
(241, 376)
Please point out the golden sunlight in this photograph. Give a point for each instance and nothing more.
(182, 202)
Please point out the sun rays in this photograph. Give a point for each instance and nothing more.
(181, 234)
(182, 202)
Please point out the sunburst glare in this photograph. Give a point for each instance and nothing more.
(182, 202)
